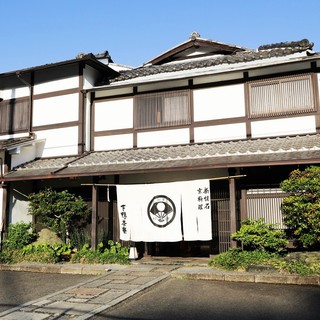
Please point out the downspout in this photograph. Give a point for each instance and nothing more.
(30, 98)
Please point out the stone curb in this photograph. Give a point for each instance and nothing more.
(217, 275)
(193, 272)
(63, 269)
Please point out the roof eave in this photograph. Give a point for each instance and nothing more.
(200, 72)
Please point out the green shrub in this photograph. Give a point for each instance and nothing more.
(18, 236)
(37, 252)
(257, 234)
(114, 253)
(60, 211)
(236, 259)
(301, 209)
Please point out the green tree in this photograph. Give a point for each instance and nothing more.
(301, 209)
(60, 211)
(259, 235)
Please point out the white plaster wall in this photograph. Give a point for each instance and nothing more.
(1, 203)
(57, 109)
(279, 68)
(87, 123)
(218, 77)
(19, 211)
(89, 77)
(59, 142)
(26, 154)
(318, 75)
(112, 115)
(287, 126)
(164, 137)
(162, 85)
(219, 103)
(224, 132)
(114, 142)
(15, 93)
(113, 92)
(56, 85)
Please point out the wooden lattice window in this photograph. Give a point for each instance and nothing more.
(281, 96)
(164, 109)
(14, 115)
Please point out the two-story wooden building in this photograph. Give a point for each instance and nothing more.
(241, 118)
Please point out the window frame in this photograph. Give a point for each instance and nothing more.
(160, 113)
(283, 87)
(15, 115)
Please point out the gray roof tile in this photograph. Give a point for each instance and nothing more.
(264, 52)
(293, 150)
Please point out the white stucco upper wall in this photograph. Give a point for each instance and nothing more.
(219, 102)
(56, 85)
(58, 109)
(112, 115)
(15, 93)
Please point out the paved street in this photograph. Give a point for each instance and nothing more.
(207, 300)
(85, 297)
(154, 291)
(20, 287)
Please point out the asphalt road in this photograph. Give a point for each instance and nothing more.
(19, 287)
(200, 299)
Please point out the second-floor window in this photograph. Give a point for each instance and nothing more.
(164, 109)
(281, 96)
(14, 115)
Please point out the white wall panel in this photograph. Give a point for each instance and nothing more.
(112, 115)
(114, 142)
(56, 85)
(57, 109)
(318, 75)
(26, 153)
(288, 126)
(59, 142)
(89, 77)
(15, 93)
(164, 137)
(219, 103)
(19, 210)
(224, 132)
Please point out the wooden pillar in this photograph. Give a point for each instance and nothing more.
(3, 212)
(233, 211)
(94, 218)
(243, 205)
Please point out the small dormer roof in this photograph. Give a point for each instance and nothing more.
(195, 47)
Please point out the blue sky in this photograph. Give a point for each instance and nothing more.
(38, 32)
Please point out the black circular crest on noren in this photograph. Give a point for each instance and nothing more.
(161, 211)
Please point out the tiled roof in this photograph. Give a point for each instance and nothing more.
(255, 152)
(263, 52)
(10, 143)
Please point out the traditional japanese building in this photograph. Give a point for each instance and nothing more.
(241, 119)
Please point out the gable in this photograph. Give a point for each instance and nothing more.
(195, 47)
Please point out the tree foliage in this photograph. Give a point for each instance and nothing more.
(257, 234)
(60, 211)
(301, 209)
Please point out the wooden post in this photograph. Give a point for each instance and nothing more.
(94, 218)
(3, 214)
(243, 205)
(233, 211)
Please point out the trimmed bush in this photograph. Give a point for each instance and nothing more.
(114, 253)
(19, 235)
(257, 234)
